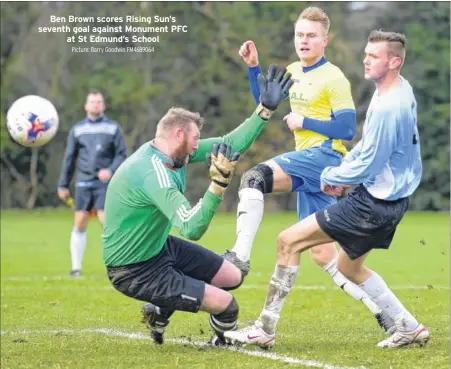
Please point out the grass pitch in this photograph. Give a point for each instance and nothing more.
(51, 321)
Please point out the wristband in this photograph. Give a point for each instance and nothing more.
(217, 189)
(263, 112)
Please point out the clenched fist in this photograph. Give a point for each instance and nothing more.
(249, 53)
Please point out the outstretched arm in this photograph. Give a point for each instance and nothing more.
(241, 138)
(248, 52)
(253, 73)
(273, 89)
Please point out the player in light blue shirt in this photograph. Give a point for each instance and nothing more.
(387, 159)
(386, 164)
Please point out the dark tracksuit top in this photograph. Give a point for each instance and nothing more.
(91, 146)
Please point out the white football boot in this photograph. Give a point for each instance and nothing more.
(401, 338)
(251, 335)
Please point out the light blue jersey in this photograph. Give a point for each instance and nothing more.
(387, 159)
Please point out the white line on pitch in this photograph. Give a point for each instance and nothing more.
(313, 287)
(244, 286)
(49, 278)
(140, 336)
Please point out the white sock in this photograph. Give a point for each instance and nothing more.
(249, 217)
(280, 285)
(350, 288)
(77, 248)
(376, 287)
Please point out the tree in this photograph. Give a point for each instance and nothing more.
(200, 70)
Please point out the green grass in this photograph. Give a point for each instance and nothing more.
(326, 325)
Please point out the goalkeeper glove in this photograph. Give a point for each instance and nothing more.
(222, 166)
(273, 89)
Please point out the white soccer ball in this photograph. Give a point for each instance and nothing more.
(32, 121)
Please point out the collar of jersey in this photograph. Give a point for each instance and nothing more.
(392, 91)
(320, 62)
(167, 160)
(99, 119)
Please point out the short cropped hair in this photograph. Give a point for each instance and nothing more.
(94, 92)
(316, 14)
(179, 117)
(396, 42)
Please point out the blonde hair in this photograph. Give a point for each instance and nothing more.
(316, 14)
(179, 117)
(396, 42)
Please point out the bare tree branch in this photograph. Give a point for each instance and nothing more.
(12, 169)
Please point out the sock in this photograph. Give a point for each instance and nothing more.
(226, 320)
(77, 247)
(165, 314)
(159, 321)
(280, 285)
(249, 217)
(350, 288)
(378, 290)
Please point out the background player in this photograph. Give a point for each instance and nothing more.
(96, 146)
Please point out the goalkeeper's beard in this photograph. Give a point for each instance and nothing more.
(181, 155)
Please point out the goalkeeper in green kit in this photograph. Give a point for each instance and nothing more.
(145, 199)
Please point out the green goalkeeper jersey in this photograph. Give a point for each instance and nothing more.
(145, 199)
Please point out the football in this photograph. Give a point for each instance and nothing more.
(32, 121)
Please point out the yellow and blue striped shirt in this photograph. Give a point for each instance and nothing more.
(322, 94)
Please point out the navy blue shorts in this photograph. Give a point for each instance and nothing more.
(360, 222)
(172, 280)
(305, 168)
(87, 197)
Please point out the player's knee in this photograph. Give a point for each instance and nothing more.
(228, 277)
(236, 281)
(260, 177)
(226, 320)
(81, 220)
(234, 277)
(284, 243)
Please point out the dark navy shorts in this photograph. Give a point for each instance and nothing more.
(88, 197)
(172, 280)
(305, 168)
(360, 222)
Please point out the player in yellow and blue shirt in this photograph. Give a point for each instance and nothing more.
(386, 163)
(322, 115)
